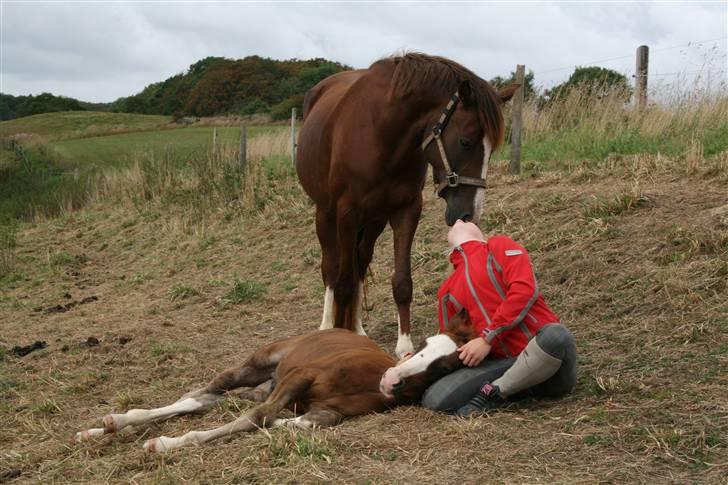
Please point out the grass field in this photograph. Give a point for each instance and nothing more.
(169, 273)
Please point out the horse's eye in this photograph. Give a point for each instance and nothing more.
(466, 144)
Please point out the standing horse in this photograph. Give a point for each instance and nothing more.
(328, 376)
(362, 157)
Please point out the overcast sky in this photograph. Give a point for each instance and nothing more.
(98, 51)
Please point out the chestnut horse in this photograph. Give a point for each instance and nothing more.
(362, 157)
(328, 376)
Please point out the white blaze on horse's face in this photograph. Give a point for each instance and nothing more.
(436, 347)
(480, 192)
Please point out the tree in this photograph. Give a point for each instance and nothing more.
(593, 82)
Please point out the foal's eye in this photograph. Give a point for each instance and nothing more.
(466, 144)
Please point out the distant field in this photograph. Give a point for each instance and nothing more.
(68, 124)
(63, 154)
(180, 143)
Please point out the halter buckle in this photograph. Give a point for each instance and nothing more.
(452, 180)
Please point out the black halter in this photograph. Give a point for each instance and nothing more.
(452, 179)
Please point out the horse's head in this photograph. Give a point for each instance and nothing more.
(459, 146)
(436, 357)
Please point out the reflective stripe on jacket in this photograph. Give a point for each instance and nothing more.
(494, 281)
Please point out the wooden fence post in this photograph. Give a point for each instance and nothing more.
(517, 121)
(243, 147)
(214, 138)
(293, 135)
(640, 75)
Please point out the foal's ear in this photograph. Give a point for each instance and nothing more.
(465, 91)
(460, 319)
(506, 93)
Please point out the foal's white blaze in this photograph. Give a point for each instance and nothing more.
(327, 321)
(480, 192)
(437, 346)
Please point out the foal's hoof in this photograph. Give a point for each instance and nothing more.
(109, 424)
(156, 445)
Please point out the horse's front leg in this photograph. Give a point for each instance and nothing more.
(404, 224)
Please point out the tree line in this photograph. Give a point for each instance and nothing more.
(217, 86)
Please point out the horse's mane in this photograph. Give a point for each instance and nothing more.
(438, 76)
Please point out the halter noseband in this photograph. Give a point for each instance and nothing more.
(452, 179)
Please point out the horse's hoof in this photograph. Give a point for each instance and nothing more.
(109, 424)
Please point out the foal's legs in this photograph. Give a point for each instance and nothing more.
(292, 386)
(256, 371)
(404, 224)
(326, 232)
(318, 418)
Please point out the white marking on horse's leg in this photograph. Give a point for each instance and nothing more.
(480, 192)
(298, 422)
(404, 342)
(89, 433)
(136, 417)
(165, 443)
(358, 327)
(327, 321)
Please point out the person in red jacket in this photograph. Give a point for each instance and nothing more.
(522, 348)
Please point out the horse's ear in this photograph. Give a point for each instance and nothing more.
(506, 93)
(465, 91)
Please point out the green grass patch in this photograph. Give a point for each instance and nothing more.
(244, 291)
(182, 292)
(167, 349)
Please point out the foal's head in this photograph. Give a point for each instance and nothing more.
(436, 357)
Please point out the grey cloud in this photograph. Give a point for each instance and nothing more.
(98, 52)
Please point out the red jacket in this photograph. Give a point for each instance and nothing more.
(494, 281)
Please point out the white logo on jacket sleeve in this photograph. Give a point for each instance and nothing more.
(513, 252)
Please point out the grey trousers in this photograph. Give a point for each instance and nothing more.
(455, 390)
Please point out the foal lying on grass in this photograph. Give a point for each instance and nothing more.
(327, 375)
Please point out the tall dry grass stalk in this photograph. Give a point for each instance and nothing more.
(192, 190)
(603, 113)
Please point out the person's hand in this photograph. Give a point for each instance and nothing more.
(473, 352)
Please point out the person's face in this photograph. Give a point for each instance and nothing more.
(462, 232)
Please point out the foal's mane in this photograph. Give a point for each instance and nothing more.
(438, 76)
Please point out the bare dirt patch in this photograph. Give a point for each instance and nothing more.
(635, 264)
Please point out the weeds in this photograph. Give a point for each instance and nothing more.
(182, 292)
(7, 249)
(167, 350)
(244, 291)
(603, 208)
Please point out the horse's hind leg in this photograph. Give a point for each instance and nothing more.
(365, 251)
(255, 371)
(290, 388)
(404, 224)
(326, 232)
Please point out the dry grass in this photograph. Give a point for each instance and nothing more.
(632, 253)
